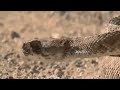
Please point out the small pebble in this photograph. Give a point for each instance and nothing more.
(4, 40)
(55, 66)
(79, 63)
(55, 35)
(10, 77)
(35, 69)
(1, 24)
(21, 63)
(61, 13)
(18, 56)
(41, 63)
(94, 62)
(14, 35)
(7, 55)
(9, 59)
(59, 73)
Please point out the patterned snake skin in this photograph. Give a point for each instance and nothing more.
(106, 44)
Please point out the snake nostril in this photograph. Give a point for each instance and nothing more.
(26, 48)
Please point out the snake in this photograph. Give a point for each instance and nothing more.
(99, 45)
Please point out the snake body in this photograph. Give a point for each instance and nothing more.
(106, 44)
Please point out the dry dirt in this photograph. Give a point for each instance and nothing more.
(17, 27)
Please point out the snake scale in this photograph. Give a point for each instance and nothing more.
(106, 44)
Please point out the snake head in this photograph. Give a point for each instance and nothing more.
(31, 47)
(48, 48)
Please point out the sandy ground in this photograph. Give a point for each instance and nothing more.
(17, 27)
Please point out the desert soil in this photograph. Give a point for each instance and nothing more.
(17, 27)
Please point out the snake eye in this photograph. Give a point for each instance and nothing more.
(36, 46)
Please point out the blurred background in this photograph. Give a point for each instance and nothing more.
(19, 26)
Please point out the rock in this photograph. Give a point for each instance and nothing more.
(9, 59)
(55, 66)
(14, 35)
(35, 69)
(1, 24)
(18, 56)
(58, 72)
(61, 13)
(41, 63)
(94, 62)
(78, 63)
(55, 35)
(4, 40)
(7, 55)
(21, 63)
(10, 77)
